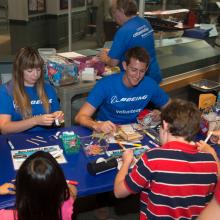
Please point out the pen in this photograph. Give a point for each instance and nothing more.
(72, 182)
(150, 135)
(208, 136)
(10, 144)
(154, 144)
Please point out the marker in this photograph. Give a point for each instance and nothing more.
(131, 144)
(72, 182)
(10, 144)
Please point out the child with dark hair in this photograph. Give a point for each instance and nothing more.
(177, 180)
(41, 191)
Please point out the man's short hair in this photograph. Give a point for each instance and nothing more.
(129, 7)
(138, 53)
(183, 118)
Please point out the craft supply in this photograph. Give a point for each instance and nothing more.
(71, 142)
(32, 142)
(40, 137)
(121, 145)
(10, 144)
(208, 136)
(72, 182)
(128, 133)
(154, 144)
(152, 136)
(34, 139)
(94, 149)
(95, 168)
(131, 144)
(57, 122)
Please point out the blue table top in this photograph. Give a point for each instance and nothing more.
(74, 169)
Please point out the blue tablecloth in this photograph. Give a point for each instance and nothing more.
(74, 169)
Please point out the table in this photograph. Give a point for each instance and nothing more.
(66, 94)
(75, 169)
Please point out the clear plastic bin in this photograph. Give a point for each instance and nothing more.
(205, 85)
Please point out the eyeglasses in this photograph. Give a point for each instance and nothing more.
(135, 70)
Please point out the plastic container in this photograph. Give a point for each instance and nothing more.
(45, 53)
(205, 85)
(71, 142)
(61, 74)
(93, 146)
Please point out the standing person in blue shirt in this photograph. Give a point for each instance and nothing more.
(119, 98)
(134, 31)
(27, 103)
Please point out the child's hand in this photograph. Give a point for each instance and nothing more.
(204, 147)
(73, 191)
(7, 188)
(128, 157)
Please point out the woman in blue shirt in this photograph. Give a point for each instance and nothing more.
(27, 102)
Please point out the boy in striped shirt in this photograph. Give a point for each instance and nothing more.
(175, 181)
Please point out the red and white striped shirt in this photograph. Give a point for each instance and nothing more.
(175, 181)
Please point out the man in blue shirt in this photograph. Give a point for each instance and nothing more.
(134, 31)
(119, 98)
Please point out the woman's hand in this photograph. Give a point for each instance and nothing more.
(7, 188)
(44, 120)
(59, 115)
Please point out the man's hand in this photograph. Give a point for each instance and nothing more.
(156, 115)
(7, 188)
(105, 126)
(104, 55)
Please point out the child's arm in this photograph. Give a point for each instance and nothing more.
(7, 188)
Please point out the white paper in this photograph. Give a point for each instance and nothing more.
(71, 54)
(54, 150)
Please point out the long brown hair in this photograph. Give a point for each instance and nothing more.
(27, 58)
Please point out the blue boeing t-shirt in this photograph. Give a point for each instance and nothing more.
(120, 104)
(7, 103)
(136, 32)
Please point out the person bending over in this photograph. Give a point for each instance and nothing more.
(119, 98)
(134, 32)
(175, 181)
(41, 191)
(27, 102)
